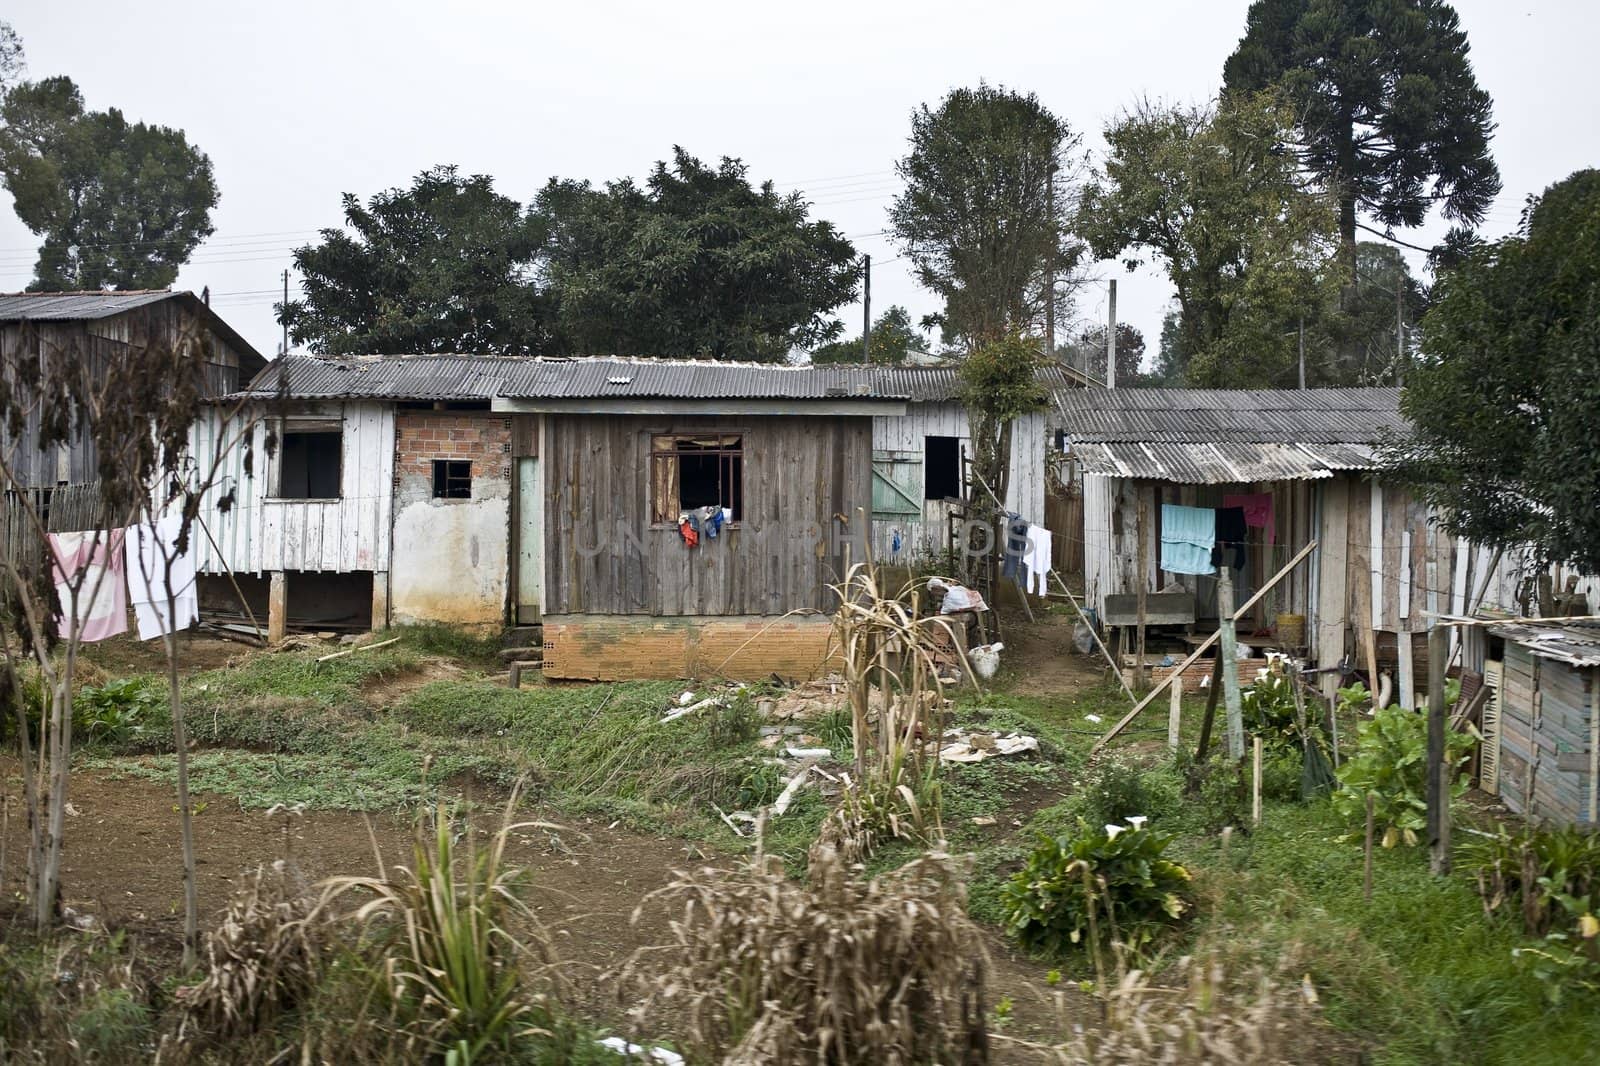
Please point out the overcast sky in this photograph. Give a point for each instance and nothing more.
(297, 103)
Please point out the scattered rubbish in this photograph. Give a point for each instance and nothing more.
(983, 819)
(1092, 718)
(730, 822)
(1244, 651)
(655, 1054)
(960, 747)
(781, 805)
(686, 699)
(808, 753)
(985, 659)
(685, 710)
(956, 597)
(1082, 639)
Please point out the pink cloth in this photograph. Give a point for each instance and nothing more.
(1257, 511)
(92, 561)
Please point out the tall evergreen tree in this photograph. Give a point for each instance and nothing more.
(1390, 114)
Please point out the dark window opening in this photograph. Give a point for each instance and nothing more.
(941, 468)
(692, 471)
(452, 479)
(309, 465)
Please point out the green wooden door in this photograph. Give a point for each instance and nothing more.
(896, 485)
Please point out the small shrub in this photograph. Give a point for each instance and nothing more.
(114, 713)
(1113, 791)
(1390, 764)
(760, 785)
(834, 730)
(1103, 884)
(735, 722)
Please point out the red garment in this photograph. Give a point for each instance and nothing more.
(691, 536)
(1257, 511)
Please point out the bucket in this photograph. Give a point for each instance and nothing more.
(1292, 630)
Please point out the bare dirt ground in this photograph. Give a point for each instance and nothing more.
(1041, 661)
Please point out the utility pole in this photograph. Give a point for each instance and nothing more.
(1400, 331)
(285, 312)
(866, 308)
(1050, 282)
(1302, 351)
(1111, 335)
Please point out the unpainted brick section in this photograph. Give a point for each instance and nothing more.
(638, 650)
(420, 437)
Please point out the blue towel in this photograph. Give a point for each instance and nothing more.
(1187, 537)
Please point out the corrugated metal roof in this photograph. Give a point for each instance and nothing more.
(1284, 416)
(1221, 463)
(75, 306)
(1574, 643)
(466, 377)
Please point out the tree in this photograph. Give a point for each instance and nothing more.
(1088, 352)
(976, 217)
(893, 336)
(118, 204)
(697, 262)
(12, 63)
(446, 266)
(1212, 194)
(1390, 114)
(1369, 341)
(1503, 399)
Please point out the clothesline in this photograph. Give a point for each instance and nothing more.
(98, 577)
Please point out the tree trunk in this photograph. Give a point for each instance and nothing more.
(47, 887)
(180, 741)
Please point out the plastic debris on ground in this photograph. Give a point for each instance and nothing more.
(634, 1051)
(962, 746)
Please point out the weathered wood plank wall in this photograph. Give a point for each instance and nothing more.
(604, 556)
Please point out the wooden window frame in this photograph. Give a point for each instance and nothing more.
(321, 424)
(657, 457)
(452, 479)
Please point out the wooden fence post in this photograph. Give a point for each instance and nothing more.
(1439, 774)
(1228, 653)
(1175, 714)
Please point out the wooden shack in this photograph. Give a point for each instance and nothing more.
(1542, 730)
(548, 492)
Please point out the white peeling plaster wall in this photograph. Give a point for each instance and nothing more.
(451, 557)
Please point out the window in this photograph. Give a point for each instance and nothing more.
(309, 461)
(695, 470)
(941, 478)
(452, 479)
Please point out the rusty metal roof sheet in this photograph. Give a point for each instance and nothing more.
(1573, 643)
(75, 306)
(1202, 416)
(1221, 463)
(468, 377)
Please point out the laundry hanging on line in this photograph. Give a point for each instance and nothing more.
(149, 548)
(1188, 535)
(93, 562)
(1257, 511)
(1016, 547)
(1038, 559)
(1231, 534)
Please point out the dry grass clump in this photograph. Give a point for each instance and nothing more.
(262, 959)
(839, 971)
(1204, 1014)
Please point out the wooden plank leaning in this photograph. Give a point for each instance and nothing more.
(1149, 698)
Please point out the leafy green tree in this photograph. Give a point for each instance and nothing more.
(119, 204)
(977, 219)
(1503, 400)
(12, 63)
(893, 336)
(445, 266)
(1390, 114)
(1088, 352)
(1211, 194)
(1368, 340)
(697, 262)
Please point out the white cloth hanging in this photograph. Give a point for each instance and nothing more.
(1038, 559)
(150, 545)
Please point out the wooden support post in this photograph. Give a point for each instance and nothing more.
(1141, 678)
(1175, 715)
(1255, 782)
(1228, 654)
(277, 607)
(380, 600)
(1438, 771)
(514, 679)
(1211, 712)
(1406, 681)
(1149, 698)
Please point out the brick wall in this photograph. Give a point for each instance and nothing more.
(743, 649)
(420, 437)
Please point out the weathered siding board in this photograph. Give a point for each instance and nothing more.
(1546, 723)
(603, 555)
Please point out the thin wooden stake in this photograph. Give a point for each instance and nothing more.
(1175, 715)
(1438, 772)
(1228, 653)
(1211, 712)
(359, 647)
(1141, 676)
(1366, 870)
(1255, 783)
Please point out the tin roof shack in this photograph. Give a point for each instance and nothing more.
(1380, 565)
(485, 490)
(1541, 748)
(97, 327)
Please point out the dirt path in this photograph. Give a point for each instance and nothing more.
(1041, 661)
